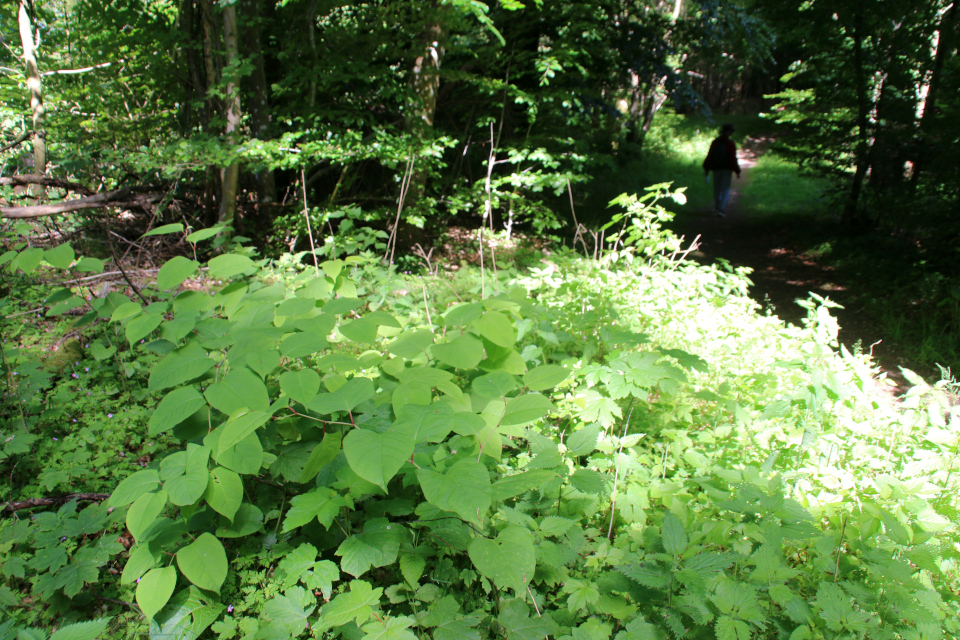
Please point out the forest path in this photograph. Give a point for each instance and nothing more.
(782, 274)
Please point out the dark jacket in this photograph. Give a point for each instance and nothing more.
(722, 155)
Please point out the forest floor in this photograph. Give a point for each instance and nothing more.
(783, 273)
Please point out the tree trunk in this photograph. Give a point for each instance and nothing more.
(945, 35)
(424, 82)
(36, 93)
(230, 175)
(852, 213)
(258, 105)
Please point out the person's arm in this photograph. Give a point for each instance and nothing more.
(732, 150)
(706, 161)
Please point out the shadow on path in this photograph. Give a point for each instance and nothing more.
(781, 273)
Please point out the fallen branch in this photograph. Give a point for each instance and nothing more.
(47, 181)
(121, 198)
(53, 500)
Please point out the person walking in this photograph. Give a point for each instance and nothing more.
(722, 160)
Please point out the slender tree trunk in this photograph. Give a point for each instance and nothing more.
(229, 176)
(945, 34)
(852, 213)
(258, 104)
(36, 93)
(424, 83)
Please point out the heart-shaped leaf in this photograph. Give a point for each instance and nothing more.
(301, 385)
(176, 406)
(155, 589)
(224, 492)
(376, 457)
(204, 562)
(464, 489)
(508, 561)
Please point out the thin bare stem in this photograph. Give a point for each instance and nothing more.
(306, 216)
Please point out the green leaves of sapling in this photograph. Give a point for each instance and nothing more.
(376, 457)
(508, 561)
(155, 589)
(204, 562)
(464, 489)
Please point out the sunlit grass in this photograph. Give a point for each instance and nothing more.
(777, 188)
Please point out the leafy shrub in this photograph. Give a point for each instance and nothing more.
(592, 451)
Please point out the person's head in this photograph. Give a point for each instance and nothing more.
(727, 129)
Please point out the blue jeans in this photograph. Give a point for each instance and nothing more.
(722, 178)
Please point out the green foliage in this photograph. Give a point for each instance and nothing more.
(616, 449)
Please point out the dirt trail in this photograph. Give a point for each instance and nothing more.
(781, 274)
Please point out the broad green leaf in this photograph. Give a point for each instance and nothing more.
(178, 367)
(144, 511)
(238, 427)
(346, 398)
(511, 486)
(411, 567)
(224, 492)
(295, 565)
(355, 606)
(509, 561)
(187, 488)
(411, 344)
(204, 562)
(81, 630)
(555, 526)
(154, 590)
(186, 616)
(142, 326)
(428, 423)
(587, 481)
(524, 409)
(377, 546)
(293, 307)
(464, 489)
(301, 345)
(204, 234)
(497, 328)
(545, 377)
(239, 389)
(125, 310)
(322, 503)
(175, 227)
(134, 486)
(730, 629)
(584, 441)
(29, 259)
(61, 256)
(360, 330)
(287, 611)
(463, 314)
(390, 628)
(322, 455)
(502, 359)
(376, 457)
(248, 519)
(176, 406)
(674, 536)
(263, 362)
(302, 385)
(175, 271)
(245, 457)
(140, 561)
(463, 352)
(88, 265)
(516, 620)
(341, 306)
(229, 265)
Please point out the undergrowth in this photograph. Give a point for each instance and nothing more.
(621, 448)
